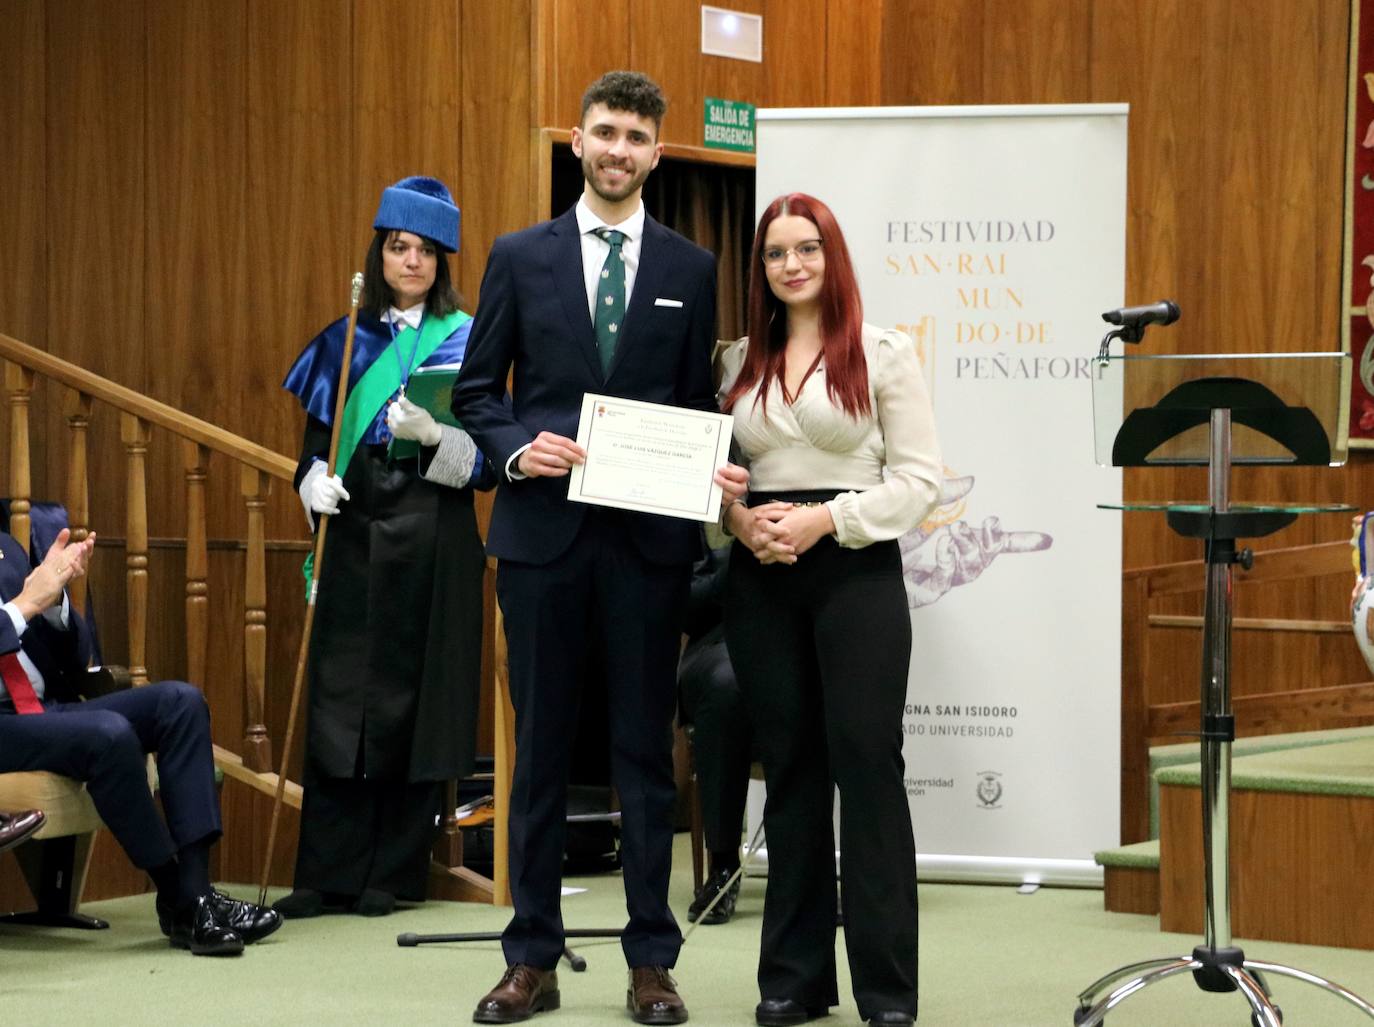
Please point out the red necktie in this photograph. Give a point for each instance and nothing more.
(18, 685)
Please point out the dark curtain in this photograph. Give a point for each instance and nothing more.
(711, 204)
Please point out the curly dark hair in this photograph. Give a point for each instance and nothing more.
(627, 91)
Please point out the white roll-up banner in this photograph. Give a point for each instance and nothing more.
(995, 237)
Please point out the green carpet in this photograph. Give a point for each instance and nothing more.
(1340, 768)
(988, 957)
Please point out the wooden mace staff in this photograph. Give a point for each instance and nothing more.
(316, 566)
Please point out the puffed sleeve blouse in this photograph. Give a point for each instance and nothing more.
(885, 467)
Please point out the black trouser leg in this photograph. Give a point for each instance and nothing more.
(547, 616)
(769, 635)
(642, 609)
(103, 742)
(865, 690)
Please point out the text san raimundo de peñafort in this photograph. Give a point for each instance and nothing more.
(997, 335)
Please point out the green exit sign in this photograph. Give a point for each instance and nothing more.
(729, 125)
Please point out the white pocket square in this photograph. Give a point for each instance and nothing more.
(661, 302)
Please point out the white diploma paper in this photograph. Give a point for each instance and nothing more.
(651, 458)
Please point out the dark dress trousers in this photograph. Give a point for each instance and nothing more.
(574, 578)
(103, 742)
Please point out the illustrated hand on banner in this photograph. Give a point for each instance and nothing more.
(960, 553)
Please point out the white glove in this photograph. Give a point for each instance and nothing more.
(320, 493)
(407, 421)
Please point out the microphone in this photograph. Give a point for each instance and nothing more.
(1165, 312)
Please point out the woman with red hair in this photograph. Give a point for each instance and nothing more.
(833, 418)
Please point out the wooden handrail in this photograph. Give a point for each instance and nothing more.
(150, 410)
(259, 467)
(137, 415)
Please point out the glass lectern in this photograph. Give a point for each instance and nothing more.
(1217, 412)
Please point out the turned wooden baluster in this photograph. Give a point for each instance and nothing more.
(197, 460)
(19, 383)
(257, 746)
(133, 432)
(77, 408)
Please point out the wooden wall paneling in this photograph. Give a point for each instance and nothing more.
(407, 86)
(496, 129)
(302, 230)
(665, 44)
(23, 169)
(577, 41)
(197, 237)
(853, 54)
(93, 214)
(1271, 243)
(796, 56)
(932, 52)
(1037, 51)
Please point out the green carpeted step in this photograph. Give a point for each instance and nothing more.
(1338, 768)
(1164, 756)
(1138, 856)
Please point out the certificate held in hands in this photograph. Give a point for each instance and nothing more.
(432, 389)
(650, 457)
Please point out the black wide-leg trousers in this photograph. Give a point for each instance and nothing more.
(821, 649)
(361, 833)
(601, 594)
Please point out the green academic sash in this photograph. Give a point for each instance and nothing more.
(380, 382)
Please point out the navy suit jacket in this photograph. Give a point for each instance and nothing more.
(60, 656)
(533, 318)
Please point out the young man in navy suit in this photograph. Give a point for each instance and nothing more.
(604, 300)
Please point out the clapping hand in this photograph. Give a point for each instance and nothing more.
(64, 561)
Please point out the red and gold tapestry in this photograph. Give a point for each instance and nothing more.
(1359, 227)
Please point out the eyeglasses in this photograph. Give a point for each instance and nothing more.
(807, 252)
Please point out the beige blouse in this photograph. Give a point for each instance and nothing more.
(887, 465)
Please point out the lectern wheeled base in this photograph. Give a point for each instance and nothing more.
(1217, 970)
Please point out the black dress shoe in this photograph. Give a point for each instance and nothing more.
(196, 928)
(307, 902)
(249, 921)
(781, 1012)
(374, 902)
(723, 910)
(891, 1018)
(17, 827)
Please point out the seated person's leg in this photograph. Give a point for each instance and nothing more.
(721, 751)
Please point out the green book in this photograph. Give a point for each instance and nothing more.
(430, 388)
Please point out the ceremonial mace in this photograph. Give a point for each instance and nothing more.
(315, 567)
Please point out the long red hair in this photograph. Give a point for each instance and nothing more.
(846, 370)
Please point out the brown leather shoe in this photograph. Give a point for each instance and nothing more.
(653, 997)
(522, 991)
